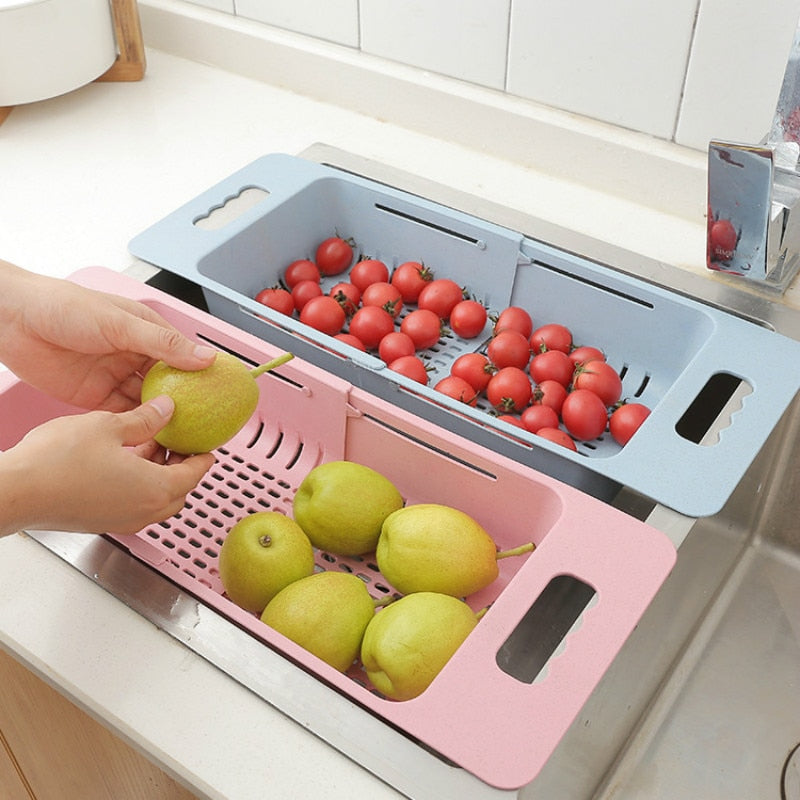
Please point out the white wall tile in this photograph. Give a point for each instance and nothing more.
(688, 70)
(333, 20)
(621, 61)
(465, 39)
(735, 70)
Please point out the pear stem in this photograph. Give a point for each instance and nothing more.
(380, 602)
(479, 614)
(516, 551)
(276, 362)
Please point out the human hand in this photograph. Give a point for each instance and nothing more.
(82, 346)
(97, 472)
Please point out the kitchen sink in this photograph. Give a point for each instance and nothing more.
(702, 701)
(726, 721)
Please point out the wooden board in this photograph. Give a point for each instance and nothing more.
(130, 63)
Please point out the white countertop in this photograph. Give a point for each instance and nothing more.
(81, 175)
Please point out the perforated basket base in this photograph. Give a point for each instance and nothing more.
(516, 714)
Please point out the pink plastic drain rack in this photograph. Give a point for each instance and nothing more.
(507, 729)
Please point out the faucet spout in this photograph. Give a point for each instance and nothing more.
(754, 195)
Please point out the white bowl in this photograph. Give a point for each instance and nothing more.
(51, 47)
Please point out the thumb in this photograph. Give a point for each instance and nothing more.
(141, 424)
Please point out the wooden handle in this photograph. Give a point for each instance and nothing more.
(130, 63)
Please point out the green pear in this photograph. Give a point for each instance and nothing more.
(211, 405)
(407, 643)
(341, 506)
(326, 613)
(430, 547)
(263, 553)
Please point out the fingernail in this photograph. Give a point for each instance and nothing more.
(164, 404)
(203, 352)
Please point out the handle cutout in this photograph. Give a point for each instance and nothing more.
(546, 624)
(231, 209)
(713, 409)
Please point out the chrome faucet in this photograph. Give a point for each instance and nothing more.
(754, 195)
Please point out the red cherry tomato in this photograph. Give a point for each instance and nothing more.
(600, 378)
(626, 420)
(722, 239)
(423, 326)
(348, 295)
(474, 368)
(440, 296)
(509, 389)
(509, 348)
(535, 417)
(468, 318)
(552, 365)
(277, 299)
(371, 324)
(394, 345)
(558, 436)
(411, 277)
(304, 291)
(458, 389)
(516, 318)
(384, 295)
(334, 255)
(353, 341)
(302, 270)
(550, 393)
(412, 367)
(367, 271)
(584, 353)
(584, 414)
(324, 314)
(552, 336)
